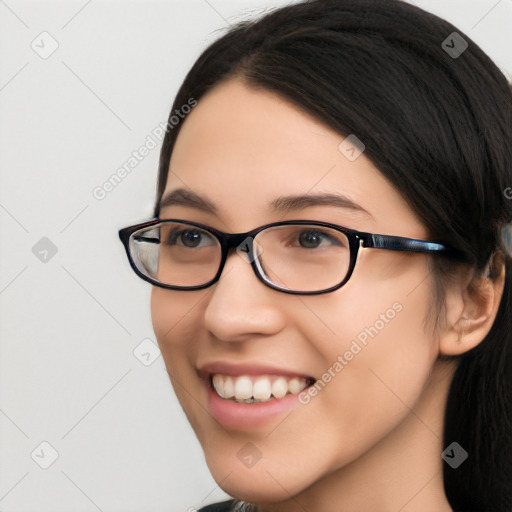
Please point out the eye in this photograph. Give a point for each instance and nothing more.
(190, 237)
(315, 238)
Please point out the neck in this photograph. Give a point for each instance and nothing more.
(403, 472)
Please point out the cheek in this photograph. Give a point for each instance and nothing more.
(376, 366)
(176, 325)
(165, 318)
(175, 319)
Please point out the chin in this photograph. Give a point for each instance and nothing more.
(264, 483)
(264, 490)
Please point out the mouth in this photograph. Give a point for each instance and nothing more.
(250, 394)
(253, 389)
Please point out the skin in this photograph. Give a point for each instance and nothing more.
(372, 438)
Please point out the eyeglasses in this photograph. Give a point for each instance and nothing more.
(295, 256)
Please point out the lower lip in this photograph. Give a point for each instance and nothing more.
(240, 416)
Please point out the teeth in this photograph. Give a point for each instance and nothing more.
(280, 387)
(250, 389)
(295, 385)
(229, 387)
(218, 384)
(243, 388)
(261, 389)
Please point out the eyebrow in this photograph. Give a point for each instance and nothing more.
(282, 204)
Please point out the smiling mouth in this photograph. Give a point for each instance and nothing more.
(252, 389)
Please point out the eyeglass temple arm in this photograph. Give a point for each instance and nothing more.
(398, 243)
(150, 240)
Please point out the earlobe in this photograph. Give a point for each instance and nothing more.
(470, 313)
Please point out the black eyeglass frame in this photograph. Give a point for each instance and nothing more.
(228, 241)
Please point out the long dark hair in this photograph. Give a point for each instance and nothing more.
(438, 125)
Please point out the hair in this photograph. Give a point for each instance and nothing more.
(439, 129)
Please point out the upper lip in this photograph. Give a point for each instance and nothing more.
(247, 368)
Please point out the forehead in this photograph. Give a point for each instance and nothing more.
(243, 148)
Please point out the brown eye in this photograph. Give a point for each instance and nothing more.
(312, 239)
(191, 238)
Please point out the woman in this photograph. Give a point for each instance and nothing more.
(324, 368)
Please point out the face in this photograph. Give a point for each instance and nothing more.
(355, 348)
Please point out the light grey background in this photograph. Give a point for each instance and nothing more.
(73, 372)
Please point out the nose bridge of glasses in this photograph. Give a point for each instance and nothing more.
(243, 243)
(238, 240)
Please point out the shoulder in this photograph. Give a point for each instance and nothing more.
(225, 506)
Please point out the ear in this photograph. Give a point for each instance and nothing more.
(471, 306)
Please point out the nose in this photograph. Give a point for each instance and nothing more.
(241, 306)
